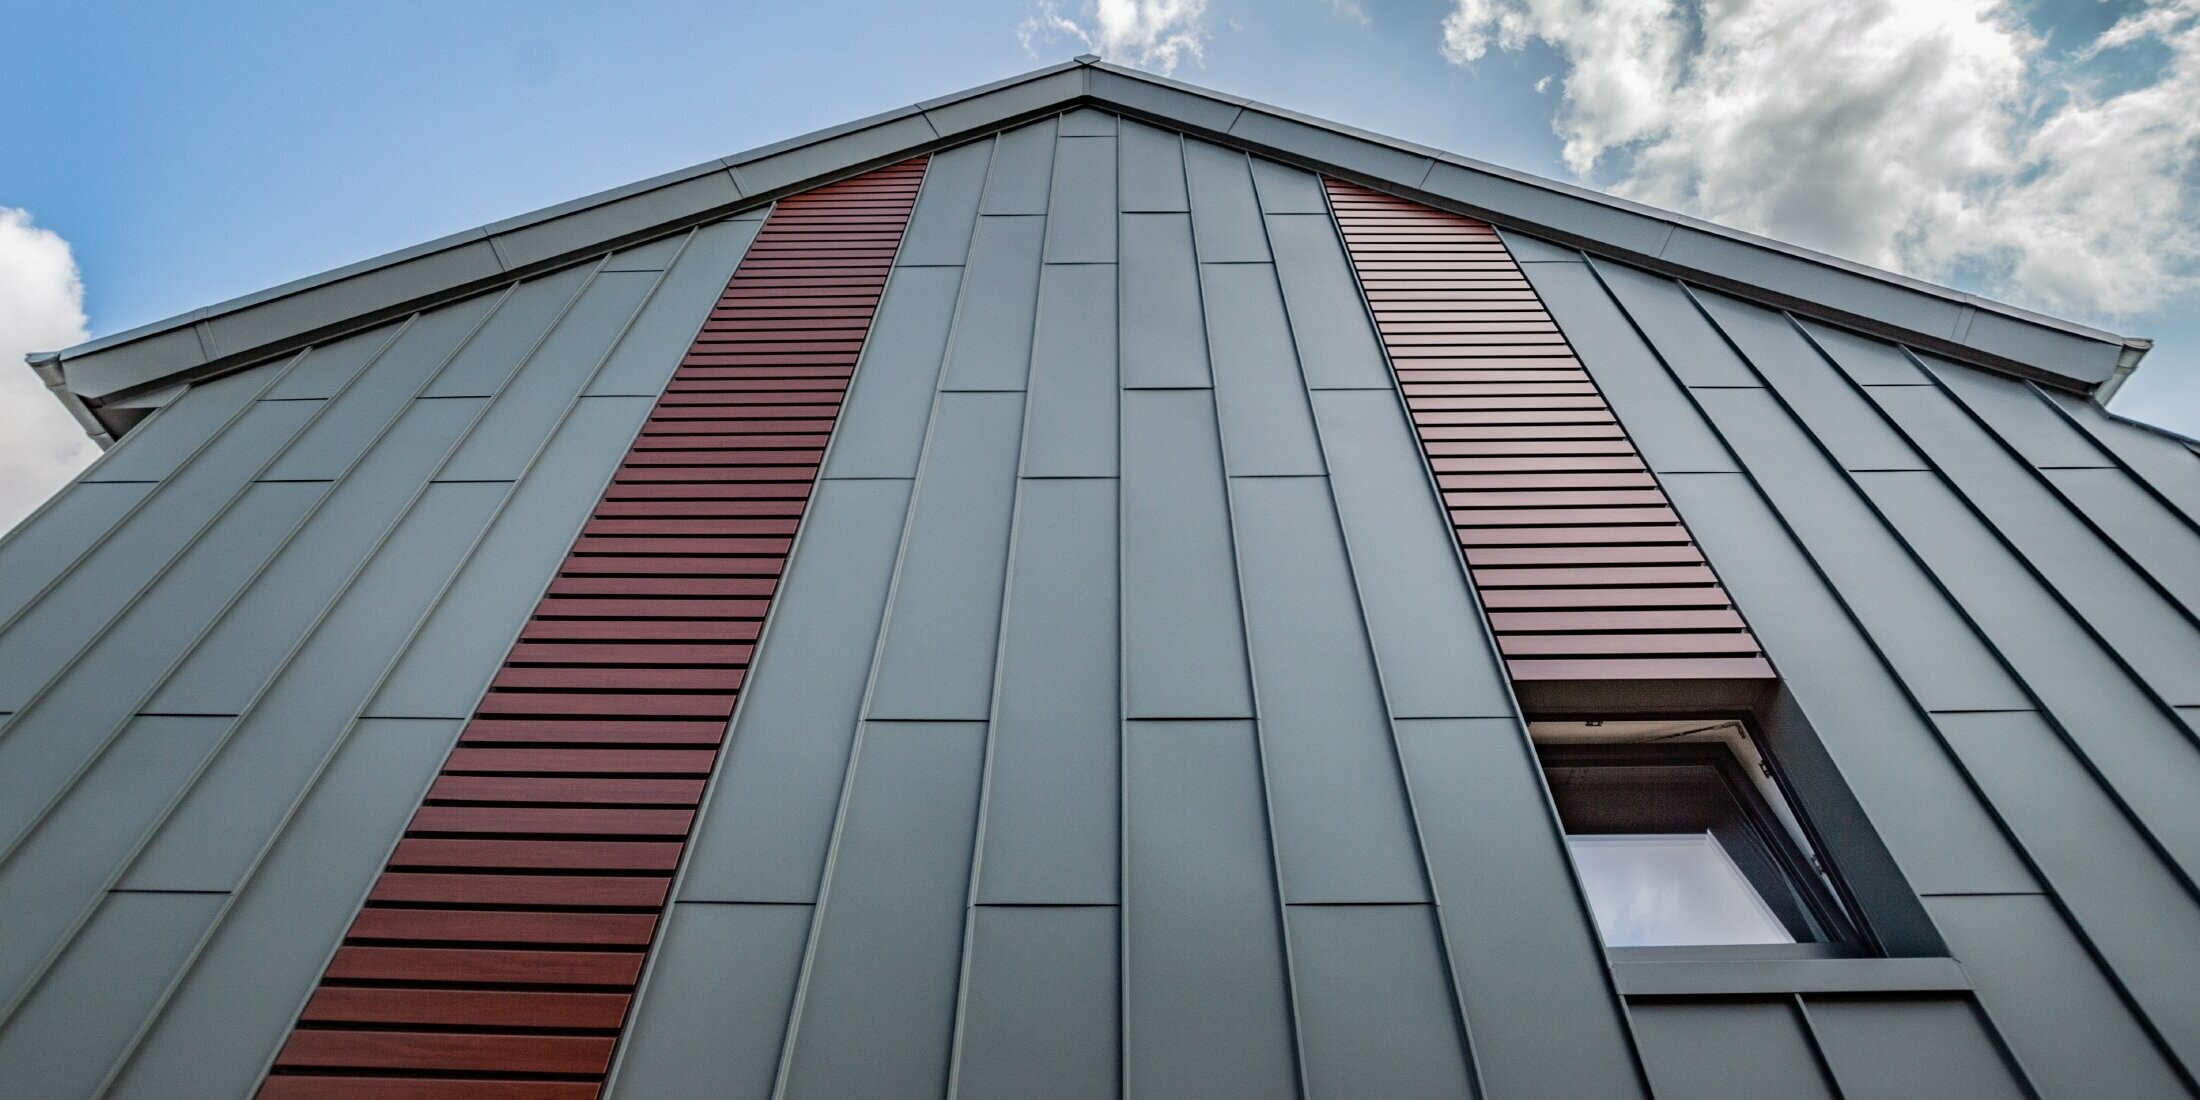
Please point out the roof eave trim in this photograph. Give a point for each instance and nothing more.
(47, 364)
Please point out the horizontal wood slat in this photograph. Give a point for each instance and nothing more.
(1586, 570)
(496, 955)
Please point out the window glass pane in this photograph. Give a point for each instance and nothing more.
(1670, 890)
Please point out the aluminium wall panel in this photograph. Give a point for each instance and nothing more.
(2070, 1028)
(1184, 642)
(770, 816)
(1845, 423)
(1260, 397)
(522, 318)
(937, 659)
(1226, 224)
(160, 446)
(1344, 830)
(1152, 165)
(1524, 957)
(1329, 324)
(1023, 165)
(889, 402)
(1164, 336)
(2166, 465)
(1073, 374)
(229, 666)
(2156, 540)
(646, 356)
(1081, 211)
(947, 207)
(1087, 122)
(2016, 415)
(878, 1006)
(715, 1011)
(1866, 361)
(234, 1002)
(1052, 814)
(1728, 1048)
(1375, 1007)
(1042, 997)
(82, 601)
(1207, 1009)
(63, 1039)
(991, 345)
(1692, 348)
(328, 367)
(1287, 190)
(41, 548)
(1886, 1049)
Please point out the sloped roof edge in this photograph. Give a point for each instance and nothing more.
(249, 329)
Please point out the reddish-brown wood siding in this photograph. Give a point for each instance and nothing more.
(1585, 569)
(496, 955)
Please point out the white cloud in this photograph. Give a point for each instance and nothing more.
(1942, 139)
(41, 309)
(1156, 34)
(1349, 9)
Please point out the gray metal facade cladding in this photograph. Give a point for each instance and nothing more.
(1125, 724)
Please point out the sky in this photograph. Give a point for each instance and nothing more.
(159, 158)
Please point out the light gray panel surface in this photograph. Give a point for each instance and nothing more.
(1225, 212)
(947, 206)
(882, 423)
(1374, 1004)
(1073, 374)
(241, 800)
(2168, 466)
(762, 837)
(1866, 361)
(1901, 1050)
(1535, 250)
(2148, 632)
(227, 668)
(1844, 422)
(236, 1002)
(2131, 741)
(1344, 832)
(465, 638)
(2067, 1025)
(1023, 163)
(1087, 122)
(162, 444)
(662, 332)
(1697, 1050)
(383, 392)
(937, 659)
(1153, 168)
(1052, 812)
(1164, 335)
(54, 628)
(1267, 428)
(1926, 814)
(2022, 420)
(991, 345)
(1524, 956)
(1696, 352)
(1040, 1005)
(878, 1008)
(1626, 372)
(2164, 547)
(42, 547)
(1207, 1011)
(1287, 190)
(1940, 658)
(1436, 662)
(56, 876)
(1336, 340)
(67, 726)
(1081, 214)
(1184, 647)
(521, 320)
(61, 1041)
(714, 1014)
(2139, 917)
(653, 256)
(521, 417)
(327, 367)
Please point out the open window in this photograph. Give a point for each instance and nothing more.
(1683, 837)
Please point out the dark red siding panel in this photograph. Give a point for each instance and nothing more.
(496, 955)
(1588, 573)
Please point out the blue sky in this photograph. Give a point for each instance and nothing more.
(190, 153)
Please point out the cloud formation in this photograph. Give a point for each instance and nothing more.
(1153, 34)
(1946, 139)
(41, 308)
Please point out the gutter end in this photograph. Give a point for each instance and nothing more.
(48, 366)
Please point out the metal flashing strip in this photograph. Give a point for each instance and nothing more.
(498, 952)
(1586, 571)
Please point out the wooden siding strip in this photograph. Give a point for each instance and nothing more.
(1586, 570)
(498, 951)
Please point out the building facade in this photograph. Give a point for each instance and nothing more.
(1095, 587)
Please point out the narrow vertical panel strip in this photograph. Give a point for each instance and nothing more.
(497, 953)
(1586, 570)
